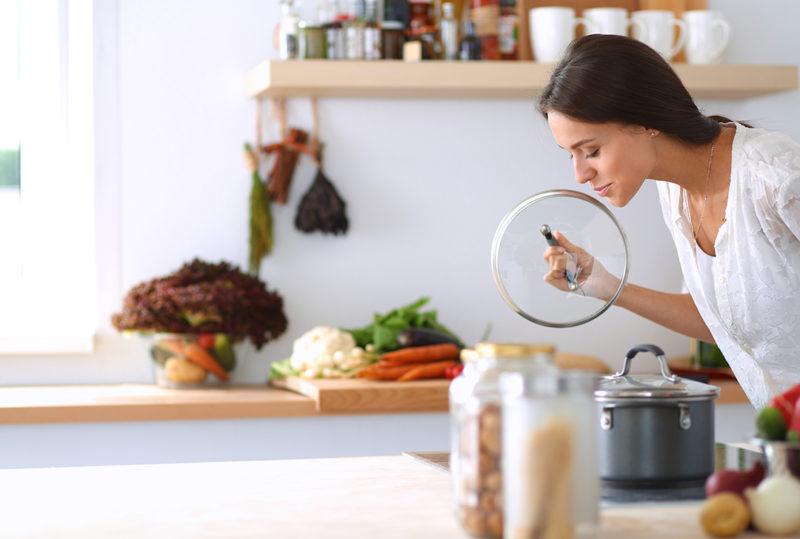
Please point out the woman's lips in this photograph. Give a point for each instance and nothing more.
(601, 191)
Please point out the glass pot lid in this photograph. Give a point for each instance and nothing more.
(527, 230)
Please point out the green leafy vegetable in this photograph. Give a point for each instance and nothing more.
(383, 331)
(281, 369)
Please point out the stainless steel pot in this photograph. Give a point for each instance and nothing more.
(655, 430)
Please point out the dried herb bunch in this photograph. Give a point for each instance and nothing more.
(321, 208)
(202, 297)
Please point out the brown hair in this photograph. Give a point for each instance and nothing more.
(608, 78)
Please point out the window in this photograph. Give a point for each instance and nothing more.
(47, 275)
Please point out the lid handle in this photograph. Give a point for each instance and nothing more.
(656, 351)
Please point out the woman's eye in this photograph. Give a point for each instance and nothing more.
(593, 154)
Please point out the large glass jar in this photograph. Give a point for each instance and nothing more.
(476, 430)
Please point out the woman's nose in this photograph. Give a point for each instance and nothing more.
(583, 172)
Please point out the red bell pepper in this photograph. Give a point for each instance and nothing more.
(785, 402)
(793, 432)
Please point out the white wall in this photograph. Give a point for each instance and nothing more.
(426, 182)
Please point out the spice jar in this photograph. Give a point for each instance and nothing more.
(312, 41)
(476, 430)
(393, 37)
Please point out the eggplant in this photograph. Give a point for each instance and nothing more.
(425, 336)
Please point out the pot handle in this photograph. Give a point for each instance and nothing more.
(656, 351)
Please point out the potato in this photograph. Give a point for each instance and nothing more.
(184, 371)
(724, 515)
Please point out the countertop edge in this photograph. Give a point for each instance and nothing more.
(22, 405)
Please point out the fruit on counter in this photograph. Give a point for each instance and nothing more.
(381, 335)
(786, 401)
(424, 336)
(735, 480)
(770, 424)
(775, 504)
(183, 371)
(323, 352)
(724, 515)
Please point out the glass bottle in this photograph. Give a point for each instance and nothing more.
(508, 30)
(420, 16)
(449, 31)
(372, 31)
(396, 10)
(470, 46)
(486, 16)
(288, 31)
(476, 430)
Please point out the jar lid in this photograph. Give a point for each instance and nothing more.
(513, 350)
(652, 386)
(393, 25)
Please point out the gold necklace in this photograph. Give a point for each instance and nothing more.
(705, 197)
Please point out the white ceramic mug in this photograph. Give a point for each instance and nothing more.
(612, 20)
(552, 29)
(661, 25)
(707, 36)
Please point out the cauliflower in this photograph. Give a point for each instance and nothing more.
(325, 352)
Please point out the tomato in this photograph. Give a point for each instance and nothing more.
(451, 371)
(785, 402)
(206, 340)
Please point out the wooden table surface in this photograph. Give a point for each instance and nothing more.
(370, 497)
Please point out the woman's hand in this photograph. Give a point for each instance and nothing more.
(592, 278)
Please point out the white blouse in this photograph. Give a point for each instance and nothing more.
(749, 294)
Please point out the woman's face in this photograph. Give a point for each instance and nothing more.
(613, 158)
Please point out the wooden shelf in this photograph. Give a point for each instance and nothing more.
(481, 80)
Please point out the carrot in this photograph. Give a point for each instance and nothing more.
(377, 371)
(199, 355)
(421, 354)
(435, 369)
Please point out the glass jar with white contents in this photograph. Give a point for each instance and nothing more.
(551, 485)
(476, 430)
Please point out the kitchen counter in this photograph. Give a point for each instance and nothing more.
(387, 497)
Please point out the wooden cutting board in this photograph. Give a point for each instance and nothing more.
(359, 395)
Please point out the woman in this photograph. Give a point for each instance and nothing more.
(730, 196)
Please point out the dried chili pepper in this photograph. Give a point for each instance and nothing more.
(280, 176)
